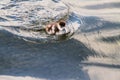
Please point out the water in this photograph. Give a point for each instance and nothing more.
(92, 53)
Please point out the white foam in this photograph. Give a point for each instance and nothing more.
(6, 77)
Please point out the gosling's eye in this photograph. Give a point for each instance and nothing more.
(62, 24)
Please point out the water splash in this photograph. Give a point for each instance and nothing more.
(28, 19)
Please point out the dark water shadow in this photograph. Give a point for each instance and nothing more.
(103, 6)
(112, 39)
(56, 1)
(53, 61)
(9, 6)
(101, 65)
(21, 0)
(3, 19)
(94, 24)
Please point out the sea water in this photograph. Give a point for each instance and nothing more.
(93, 52)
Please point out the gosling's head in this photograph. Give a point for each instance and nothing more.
(55, 28)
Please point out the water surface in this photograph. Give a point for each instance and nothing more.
(93, 52)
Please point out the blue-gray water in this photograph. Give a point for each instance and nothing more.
(93, 52)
